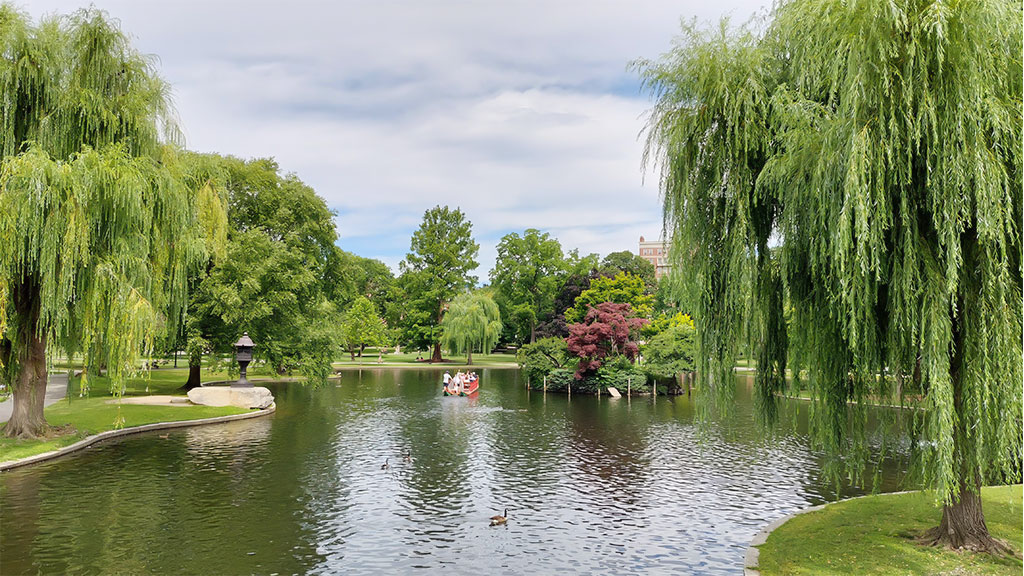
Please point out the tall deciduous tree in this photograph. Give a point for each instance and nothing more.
(526, 277)
(278, 273)
(99, 229)
(630, 263)
(473, 322)
(880, 143)
(436, 270)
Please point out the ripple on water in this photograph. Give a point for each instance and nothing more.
(591, 486)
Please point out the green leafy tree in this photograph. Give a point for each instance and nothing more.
(526, 276)
(276, 281)
(99, 227)
(473, 322)
(630, 263)
(622, 289)
(363, 327)
(671, 351)
(435, 271)
(661, 322)
(539, 358)
(880, 144)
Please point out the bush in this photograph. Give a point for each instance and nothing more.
(559, 380)
(538, 359)
(670, 352)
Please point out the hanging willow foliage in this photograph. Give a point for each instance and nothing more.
(473, 322)
(858, 164)
(100, 223)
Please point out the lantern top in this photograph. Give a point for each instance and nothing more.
(244, 341)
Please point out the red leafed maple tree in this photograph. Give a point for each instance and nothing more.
(604, 332)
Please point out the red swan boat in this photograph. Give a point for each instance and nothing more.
(470, 385)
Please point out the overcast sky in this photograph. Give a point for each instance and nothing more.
(522, 114)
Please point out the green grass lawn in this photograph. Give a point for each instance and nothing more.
(93, 414)
(874, 535)
(409, 360)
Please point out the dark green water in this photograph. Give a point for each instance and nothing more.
(592, 485)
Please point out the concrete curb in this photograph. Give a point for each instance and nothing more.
(750, 561)
(90, 440)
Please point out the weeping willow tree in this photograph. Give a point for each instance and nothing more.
(473, 322)
(857, 166)
(99, 228)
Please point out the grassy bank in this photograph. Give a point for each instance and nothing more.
(77, 417)
(874, 535)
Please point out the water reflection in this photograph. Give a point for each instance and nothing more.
(593, 485)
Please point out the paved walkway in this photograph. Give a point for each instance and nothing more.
(56, 390)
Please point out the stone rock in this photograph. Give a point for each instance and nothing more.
(255, 397)
(613, 392)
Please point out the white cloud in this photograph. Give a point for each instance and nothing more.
(521, 113)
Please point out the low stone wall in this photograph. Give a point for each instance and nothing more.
(90, 440)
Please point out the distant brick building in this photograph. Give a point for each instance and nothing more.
(656, 253)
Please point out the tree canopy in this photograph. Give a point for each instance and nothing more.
(99, 224)
(526, 277)
(607, 330)
(630, 263)
(473, 322)
(622, 289)
(277, 277)
(363, 327)
(442, 252)
(879, 145)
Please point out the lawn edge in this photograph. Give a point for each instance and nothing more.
(750, 559)
(90, 440)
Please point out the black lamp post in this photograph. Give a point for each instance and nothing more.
(243, 353)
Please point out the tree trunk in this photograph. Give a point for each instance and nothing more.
(963, 526)
(361, 348)
(29, 384)
(469, 357)
(436, 356)
(194, 379)
(963, 522)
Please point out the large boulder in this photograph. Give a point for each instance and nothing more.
(255, 397)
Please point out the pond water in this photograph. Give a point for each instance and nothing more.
(592, 485)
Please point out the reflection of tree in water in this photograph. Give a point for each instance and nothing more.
(302, 489)
(195, 499)
(525, 449)
(438, 434)
(20, 503)
(608, 445)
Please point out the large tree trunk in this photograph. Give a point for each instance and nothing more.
(963, 522)
(436, 355)
(469, 357)
(963, 526)
(194, 376)
(29, 384)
